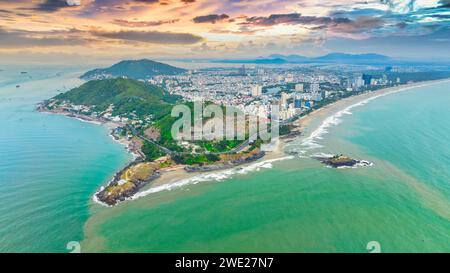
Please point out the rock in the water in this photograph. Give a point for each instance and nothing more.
(340, 161)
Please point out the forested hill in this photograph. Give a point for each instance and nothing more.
(126, 95)
(133, 69)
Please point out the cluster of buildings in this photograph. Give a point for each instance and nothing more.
(255, 90)
(368, 80)
(85, 111)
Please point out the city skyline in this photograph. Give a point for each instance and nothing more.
(105, 30)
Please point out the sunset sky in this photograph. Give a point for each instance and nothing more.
(99, 30)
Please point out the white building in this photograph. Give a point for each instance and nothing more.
(299, 87)
(315, 87)
(256, 90)
(284, 99)
(358, 82)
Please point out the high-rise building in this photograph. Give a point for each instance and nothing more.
(315, 87)
(256, 90)
(289, 78)
(367, 79)
(358, 82)
(299, 87)
(308, 104)
(316, 96)
(284, 100)
(242, 71)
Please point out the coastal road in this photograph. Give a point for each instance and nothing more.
(236, 149)
(164, 149)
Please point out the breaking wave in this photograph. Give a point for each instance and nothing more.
(216, 176)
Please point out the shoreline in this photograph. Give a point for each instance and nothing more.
(110, 125)
(329, 115)
(177, 176)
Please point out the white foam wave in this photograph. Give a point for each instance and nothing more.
(324, 155)
(126, 145)
(216, 176)
(87, 121)
(362, 163)
(96, 200)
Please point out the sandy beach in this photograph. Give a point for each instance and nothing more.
(177, 176)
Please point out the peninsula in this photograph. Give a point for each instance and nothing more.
(138, 114)
(137, 108)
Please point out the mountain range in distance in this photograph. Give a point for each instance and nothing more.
(368, 58)
(145, 69)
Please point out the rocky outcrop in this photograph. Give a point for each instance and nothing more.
(341, 161)
(115, 192)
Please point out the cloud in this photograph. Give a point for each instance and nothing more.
(223, 21)
(73, 2)
(243, 30)
(103, 8)
(5, 11)
(208, 48)
(126, 23)
(445, 3)
(408, 6)
(26, 39)
(55, 5)
(357, 24)
(211, 18)
(147, 1)
(434, 44)
(362, 25)
(154, 37)
(293, 19)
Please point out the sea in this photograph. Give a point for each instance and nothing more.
(51, 165)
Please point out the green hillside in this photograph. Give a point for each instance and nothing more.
(134, 69)
(127, 95)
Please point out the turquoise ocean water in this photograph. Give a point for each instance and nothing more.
(298, 205)
(49, 165)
